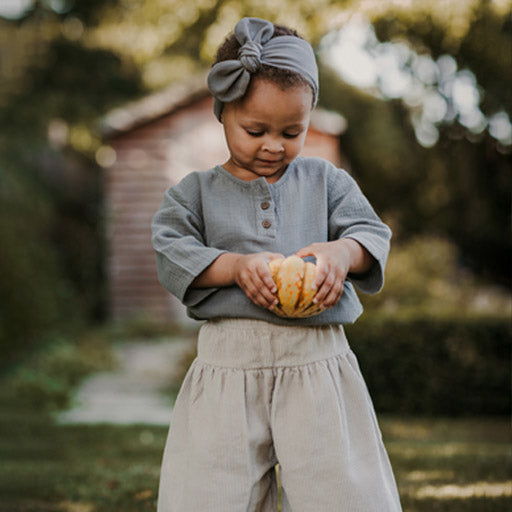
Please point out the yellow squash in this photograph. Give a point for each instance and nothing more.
(294, 279)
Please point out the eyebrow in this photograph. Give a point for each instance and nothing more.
(259, 124)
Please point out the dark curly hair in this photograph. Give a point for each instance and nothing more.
(283, 78)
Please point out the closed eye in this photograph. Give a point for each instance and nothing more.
(290, 135)
(254, 134)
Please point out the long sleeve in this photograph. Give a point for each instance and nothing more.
(352, 216)
(181, 253)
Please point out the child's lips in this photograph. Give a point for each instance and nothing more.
(268, 162)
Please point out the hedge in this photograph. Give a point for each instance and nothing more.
(436, 366)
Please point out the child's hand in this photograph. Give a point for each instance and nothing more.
(253, 276)
(334, 260)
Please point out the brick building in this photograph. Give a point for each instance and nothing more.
(156, 142)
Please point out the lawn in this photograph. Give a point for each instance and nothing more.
(455, 465)
(451, 465)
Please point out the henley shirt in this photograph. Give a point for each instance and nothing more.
(212, 212)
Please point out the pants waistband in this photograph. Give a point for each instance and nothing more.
(250, 344)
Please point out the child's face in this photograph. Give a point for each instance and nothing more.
(265, 130)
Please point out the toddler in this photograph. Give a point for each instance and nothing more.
(267, 390)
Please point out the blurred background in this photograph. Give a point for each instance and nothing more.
(101, 103)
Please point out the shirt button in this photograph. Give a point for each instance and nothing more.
(266, 224)
(265, 205)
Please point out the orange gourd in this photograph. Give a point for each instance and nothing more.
(294, 279)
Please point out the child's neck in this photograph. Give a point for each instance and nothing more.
(245, 174)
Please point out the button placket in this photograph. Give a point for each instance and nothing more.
(265, 214)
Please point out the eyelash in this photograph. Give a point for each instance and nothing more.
(285, 135)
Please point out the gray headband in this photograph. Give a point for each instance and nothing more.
(228, 80)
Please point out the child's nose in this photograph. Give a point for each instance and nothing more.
(272, 145)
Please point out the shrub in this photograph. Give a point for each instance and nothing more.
(36, 299)
(424, 278)
(46, 380)
(457, 366)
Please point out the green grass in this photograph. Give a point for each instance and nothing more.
(49, 467)
(440, 464)
(451, 465)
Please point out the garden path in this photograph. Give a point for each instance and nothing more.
(133, 393)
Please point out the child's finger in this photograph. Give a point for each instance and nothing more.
(259, 295)
(268, 291)
(267, 281)
(334, 294)
(322, 271)
(268, 298)
(264, 288)
(325, 288)
(274, 255)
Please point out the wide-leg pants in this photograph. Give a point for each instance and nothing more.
(258, 395)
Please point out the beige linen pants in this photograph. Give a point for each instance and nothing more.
(259, 394)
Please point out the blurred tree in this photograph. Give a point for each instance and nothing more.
(55, 89)
(484, 45)
(474, 170)
(460, 185)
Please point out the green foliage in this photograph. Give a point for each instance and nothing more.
(142, 327)
(34, 297)
(86, 10)
(484, 48)
(50, 265)
(47, 467)
(432, 366)
(460, 188)
(79, 93)
(51, 228)
(392, 173)
(424, 277)
(457, 189)
(46, 380)
(450, 465)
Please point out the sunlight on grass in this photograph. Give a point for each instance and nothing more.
(474, 490)
(67, 506)
(451, 465)
(448, 450)
(421, 476)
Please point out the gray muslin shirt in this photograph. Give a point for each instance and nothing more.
(212, 212)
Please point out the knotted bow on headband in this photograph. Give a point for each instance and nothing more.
(228, 80)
